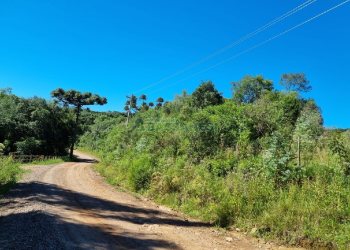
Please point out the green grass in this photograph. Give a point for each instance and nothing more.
(89, 152)
(10, 171)
(314, 214)
(49, 161)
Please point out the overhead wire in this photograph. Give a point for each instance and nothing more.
(233, 44)
(255, 46)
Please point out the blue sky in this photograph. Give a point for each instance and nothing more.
(115, 48)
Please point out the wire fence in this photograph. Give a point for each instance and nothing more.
(31, 158)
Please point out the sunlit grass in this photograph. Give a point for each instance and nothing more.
(10, 172)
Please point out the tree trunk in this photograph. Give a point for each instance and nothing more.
(71, 150)
(75, 132)
(127, 119)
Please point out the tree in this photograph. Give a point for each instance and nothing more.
(160, 101)
(77, 100)
(130, 106)
(308, 128)
(6, 91)
(132, 103)
(144, 106)
(21, 119)
(151, 104)
(206, 94)
(295, 82)
(143, 97)
(250, 88)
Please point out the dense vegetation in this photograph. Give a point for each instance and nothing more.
(9, 173)
(261, 161)
(77, 100)
(35, 126)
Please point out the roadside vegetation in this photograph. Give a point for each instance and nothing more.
(35, 126)
(9, 173)
(32, 127)
(49, 161)
(260, 161)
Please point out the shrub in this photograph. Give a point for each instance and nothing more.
(28, 146)
(9, 172)
(315, 215)
(140, 173)
(2, 147)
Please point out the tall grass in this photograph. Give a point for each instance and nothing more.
(9, 173)
(314, 213)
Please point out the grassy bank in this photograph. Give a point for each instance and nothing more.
(9, 173)
(312, 214)
(10, 170)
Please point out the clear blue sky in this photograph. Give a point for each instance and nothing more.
(115, 48)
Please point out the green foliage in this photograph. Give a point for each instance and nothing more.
(131, 103)
(28, 146)
(101, 126)
(296, 82)
(36, 126)
(315, 214)
(9, 173)
(338, 147)
(214, 129)
(206, 95)
(235, 163)
(250, 88)
(277, 157)
(33, 125)
(140, 173)
(308, 129)
(77, 100)
(50, 161)
(2, 147)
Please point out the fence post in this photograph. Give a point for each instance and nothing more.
(299, 156)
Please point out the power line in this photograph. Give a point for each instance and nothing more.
(257, 45)
(233, 44)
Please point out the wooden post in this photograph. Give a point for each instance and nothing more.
(299, 156)
(128, 104)
(127, 119)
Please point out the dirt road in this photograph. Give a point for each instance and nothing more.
(69, 206)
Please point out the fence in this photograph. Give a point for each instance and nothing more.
(30, 158)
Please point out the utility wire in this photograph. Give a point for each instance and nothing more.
(233, 44)
(256, 46)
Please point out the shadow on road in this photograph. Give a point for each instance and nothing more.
(15, 228)
(40, 230)
(84, 160)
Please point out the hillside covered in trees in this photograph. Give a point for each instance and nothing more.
(261, 160)
(35, 126)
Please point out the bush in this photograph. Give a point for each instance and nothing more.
(28, 146)
(2, 147)
(140, 173)
(9, 172)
